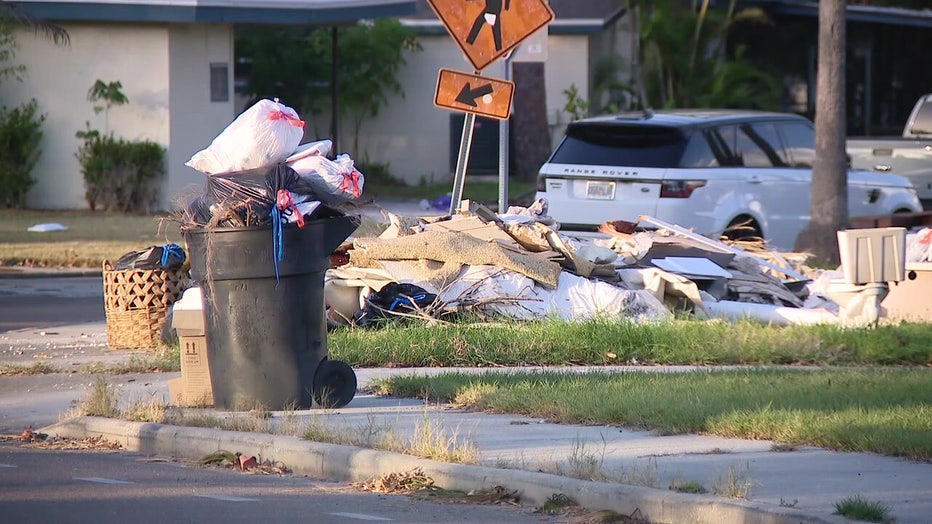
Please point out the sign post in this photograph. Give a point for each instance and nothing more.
(485, 30)
(474, 94)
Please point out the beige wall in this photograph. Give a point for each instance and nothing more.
(165, 75)
(59, 79)
(195, 120)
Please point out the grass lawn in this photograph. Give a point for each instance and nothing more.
(605, 342)
(887, 411)
(91, 237)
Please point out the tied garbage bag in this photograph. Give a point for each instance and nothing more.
(169, 257)
(331, 181)
(393, 298)
(265, 134)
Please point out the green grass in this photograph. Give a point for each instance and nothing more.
(604, 342)
(856, 508)
(91, 237)
(886, 411)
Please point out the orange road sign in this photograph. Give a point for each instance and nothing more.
(487, 29)
(474, 94)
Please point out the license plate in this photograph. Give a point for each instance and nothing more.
(600, 190)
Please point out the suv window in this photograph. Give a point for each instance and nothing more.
(722, 140)
(620, 145)
(766, 150)
(699, 153)
(800, 143)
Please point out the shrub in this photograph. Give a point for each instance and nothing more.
(20, 139)
(120, 175)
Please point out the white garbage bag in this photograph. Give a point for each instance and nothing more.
(263, 135)
(335, 180)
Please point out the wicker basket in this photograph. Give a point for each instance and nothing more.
(137, 303)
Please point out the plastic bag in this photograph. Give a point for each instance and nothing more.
(331, 181)
(320, 147)
(169, 257)
(265, 134)
(919, 246)
(393, 298)
(246, 199)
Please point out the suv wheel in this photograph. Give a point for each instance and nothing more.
(743, 228)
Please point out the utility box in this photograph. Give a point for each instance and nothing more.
(193, 388)
(873, 255)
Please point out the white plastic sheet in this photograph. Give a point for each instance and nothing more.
(575, 298)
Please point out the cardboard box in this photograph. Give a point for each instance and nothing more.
(193, 388)
(909, 300)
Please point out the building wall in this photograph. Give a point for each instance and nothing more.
(165, 72)
(59, 77)
(412, 135)
(195, 119)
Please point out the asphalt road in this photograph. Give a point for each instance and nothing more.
(27, 303)
(116, 487)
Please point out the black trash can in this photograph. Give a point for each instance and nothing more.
(267, 336)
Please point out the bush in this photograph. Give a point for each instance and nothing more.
(120, 175)
(20, 139)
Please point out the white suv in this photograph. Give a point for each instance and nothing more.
(709, 170)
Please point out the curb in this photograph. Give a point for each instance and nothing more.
(352, 464)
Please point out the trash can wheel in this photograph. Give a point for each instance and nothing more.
(334, 384)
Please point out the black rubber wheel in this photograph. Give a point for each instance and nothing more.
(334, 384)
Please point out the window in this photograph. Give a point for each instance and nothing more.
(219, 82)
(722, 140)
(800, 143)
(767, 150)
(620, 145)
(699, 152)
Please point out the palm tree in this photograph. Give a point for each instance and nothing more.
(10, 19)
(683, 58)
(830, 171)
(57, 34)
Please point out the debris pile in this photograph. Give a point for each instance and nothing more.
(520, 265)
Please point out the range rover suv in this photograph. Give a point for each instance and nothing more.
(710, 170)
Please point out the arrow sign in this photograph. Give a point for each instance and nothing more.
(490, 97)
(487, 29)
(468, 95)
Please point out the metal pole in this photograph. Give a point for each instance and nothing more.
(503, 158)
(460, 176)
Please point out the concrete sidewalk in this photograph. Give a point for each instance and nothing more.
(799, 485)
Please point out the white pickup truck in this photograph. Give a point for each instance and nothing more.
(909, 156)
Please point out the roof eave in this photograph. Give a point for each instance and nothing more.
(290, 13)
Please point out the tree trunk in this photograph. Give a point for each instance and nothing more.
(637, 69)
(530, 131)
(829, 173)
